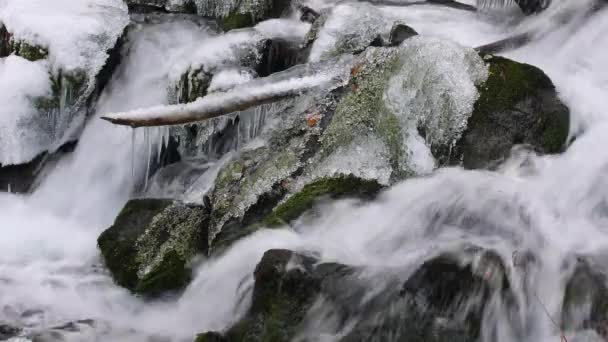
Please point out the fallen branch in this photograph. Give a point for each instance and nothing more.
(505, 44)
(217, 104)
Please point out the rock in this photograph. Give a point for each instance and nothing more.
(348, 28)
(146, 6)
(308, 14)
(230, 14)
(238, 14)
(331, 187)
(518, 104)
(191, 85)
(22, 178)
(399, 33)
(210, 337)
(8, 331)
(279, 55)
(8, 46)
(148, 247)
(281, 297)
(585, 304)
(532, 6)
(64, 332)
(295, 297)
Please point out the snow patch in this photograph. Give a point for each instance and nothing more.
(21, 130)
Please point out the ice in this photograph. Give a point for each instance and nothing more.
(291, 28)
(437, 96)
(77, 35)
(21, 129)
(349, 27)
(229, 78)
(365, 157)
(210, 53)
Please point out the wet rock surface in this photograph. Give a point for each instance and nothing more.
(443, 300)
(518, 104)
(148, 248)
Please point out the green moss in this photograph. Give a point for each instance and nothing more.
(236, 20)
(117, 243)
(555, 132)
(209, 337)
(518, 105)
(30, 52)
(304, 200)
(281, 300)
(508, 83)
(148, 246)
(362, 111)
(170, 274)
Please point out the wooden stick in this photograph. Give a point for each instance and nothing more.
(246, 96)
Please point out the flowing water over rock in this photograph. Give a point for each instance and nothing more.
(513, 253)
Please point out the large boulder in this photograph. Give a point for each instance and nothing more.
(295, 297)
(150, 244)
(518, 104)
(402, 112)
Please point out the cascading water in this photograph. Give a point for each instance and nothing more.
(554, 206)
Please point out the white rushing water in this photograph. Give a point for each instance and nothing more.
(554, 205)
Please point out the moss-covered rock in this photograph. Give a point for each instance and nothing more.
(251, 183)
(8, 46)
(518, 104)
(282, 296)
(362, 112)
(191, 85)
(148, 247)
(444, 300)
(334, 188)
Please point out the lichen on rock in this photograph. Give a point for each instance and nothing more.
(150, 244)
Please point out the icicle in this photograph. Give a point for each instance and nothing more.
(133, 154)
(495, 3)
(148, 143)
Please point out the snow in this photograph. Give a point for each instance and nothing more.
(229, 78)
(77, 35)
(290, 29)
(21, 81)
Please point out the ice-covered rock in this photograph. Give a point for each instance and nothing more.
(23, 132)
(241, 13)
(349, 27)
(70, 40)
